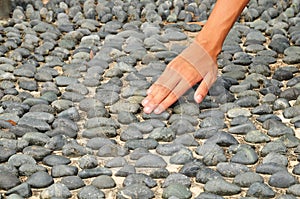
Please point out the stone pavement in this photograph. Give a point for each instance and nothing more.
(73, 74)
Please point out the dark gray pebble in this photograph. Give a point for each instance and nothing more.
(52, 160)
(88, 173)
(270, 168)
(282, 179)
(37, 152)
(126, 170)
(221, 187)
(177, 190)
(23, 190)
(145, 143)
(177, 178)
(29, 169)
(40, 179)
(63, 170)
(116, 162)
(139, 178)
(72, 182)
(57, 190)
(151, 161)
(90, 192)
(205, 174)
(8, 180)
(259, 189)
(247, 179)
(229, 169)
(135, 191)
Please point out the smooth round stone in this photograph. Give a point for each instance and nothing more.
(124, 106)
(89, 173)
(144, 126)
(222, 139)
(52, 160)
(162, 134)
(101, 121)
(275, 146)
(187, 109)
(282, 179)
(131, 133)
(186, 140)
(40, 179)
(138, 153)
(151, 161)
(291, 112)
(177, 190)
(206, 195)
(72, 182)
(116, 162)
(111, 150)
(65, 81)
(8, 180)
(259, 189)
(159, 173)
(146, 143)
(97, 112)
(5, 153)
(126, 170)
(212, 153)
(239, 121)
(229, 169)
(20, 191)
(294, 190)
(221, 187)
(126, 117)
(29, 169)
(256, 136)
(63, 170)
(182, 127)
(205, 174)
(169, 149)
(245, 155)
(242, 128)
(107, 97)
(37, 152)
(281, 104)
(36, 123)
(235, 112)
(181, 157)
(90, 191)
(28, 84)
(139, 178)
(57, 190)
(270, 168)
(135, 190)
(275, 158)
(290, 93)
(247, 179)
(177, 178)
(18, 160)
(104, 182)
(89, 103)
(211, 121)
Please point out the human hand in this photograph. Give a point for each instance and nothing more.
(191, 66)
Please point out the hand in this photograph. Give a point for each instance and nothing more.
(191, 66)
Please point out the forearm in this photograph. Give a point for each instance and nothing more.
(219, 23)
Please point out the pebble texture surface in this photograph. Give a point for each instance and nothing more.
(73, 74)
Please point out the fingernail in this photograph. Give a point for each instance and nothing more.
(147, 110)
(198, 98)
(158, 110)
(145, 101)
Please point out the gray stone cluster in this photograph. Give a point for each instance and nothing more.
(73, 74)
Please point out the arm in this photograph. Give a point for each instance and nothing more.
(219, 23)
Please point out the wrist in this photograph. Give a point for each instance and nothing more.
(212, 45)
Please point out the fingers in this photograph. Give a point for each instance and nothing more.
(203, 88)
(157, 94)
(173, 96)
